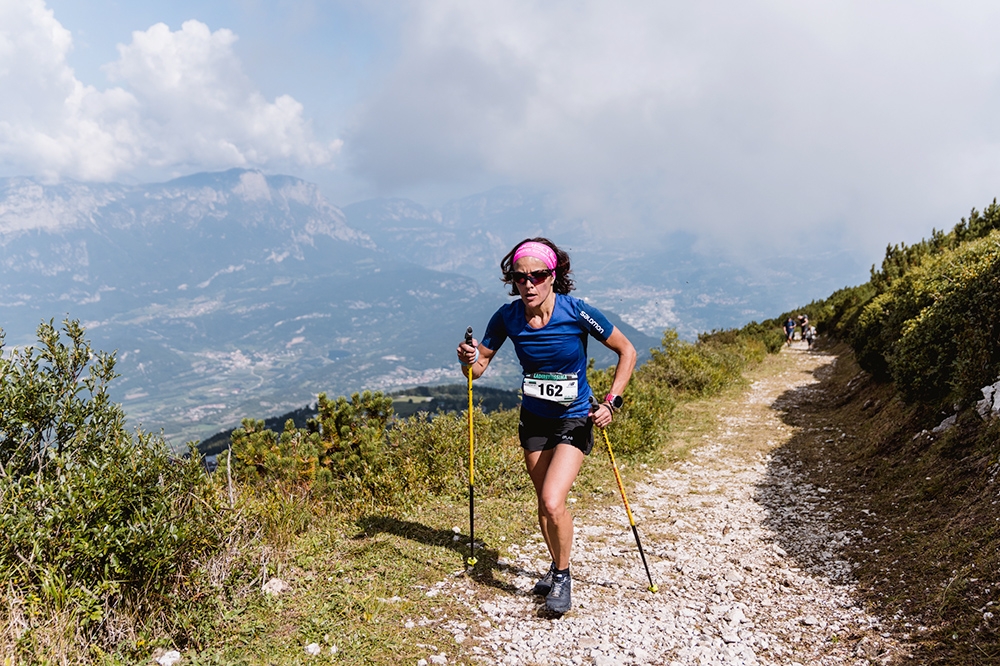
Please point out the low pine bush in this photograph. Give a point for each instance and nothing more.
(769, 335)
(930, 322)
(356, 457)
(703, 368)
(949, 348)
(95, 521)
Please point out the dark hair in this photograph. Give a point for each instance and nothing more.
(563, 283)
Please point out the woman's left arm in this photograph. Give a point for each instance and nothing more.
(619, 344)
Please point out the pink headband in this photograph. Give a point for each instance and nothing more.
(538, 251)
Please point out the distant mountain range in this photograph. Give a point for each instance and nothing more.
(236, 294)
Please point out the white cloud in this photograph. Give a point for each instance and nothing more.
(742, 121)
(182, 101)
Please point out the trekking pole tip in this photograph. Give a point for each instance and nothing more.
(654, 589)
(471, 561)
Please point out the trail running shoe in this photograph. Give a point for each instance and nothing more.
(544, 584)
(558, 599)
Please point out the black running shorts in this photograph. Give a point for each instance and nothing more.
(538, 433)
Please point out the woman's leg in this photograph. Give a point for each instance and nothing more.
(552, 472)
(537, 463)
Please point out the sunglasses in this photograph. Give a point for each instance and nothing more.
(536, 277)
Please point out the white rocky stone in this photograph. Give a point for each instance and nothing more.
(313, 649)
(946, 425)
(735, 616)
(989, 406)
(168, 658)
(275, 586)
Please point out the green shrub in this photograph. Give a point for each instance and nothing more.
(901, 258)
(768, 334)
(642, 424)
(699, 369)
(877, 327)
(356, 456)
(872, 325)
(292, 457)
(353, 430)
(93, 518)
(948, 349)
(838, 315)
(933, 330)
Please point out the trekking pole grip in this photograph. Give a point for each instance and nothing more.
(467, 369)
(594, 402)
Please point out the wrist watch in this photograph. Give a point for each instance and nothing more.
(614, 401)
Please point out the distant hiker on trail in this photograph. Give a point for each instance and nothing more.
(809, 334)
(789, 327)
(549, 330)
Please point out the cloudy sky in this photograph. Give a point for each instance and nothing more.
(766, 126)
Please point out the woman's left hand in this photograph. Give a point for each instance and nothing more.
(602, 415)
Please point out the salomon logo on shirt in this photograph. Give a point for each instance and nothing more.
(590, 320)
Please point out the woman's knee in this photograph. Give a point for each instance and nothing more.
(552, 506)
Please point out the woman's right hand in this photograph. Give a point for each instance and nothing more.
(467, 352)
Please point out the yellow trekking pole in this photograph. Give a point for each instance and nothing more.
(621, 488)
(472, 469)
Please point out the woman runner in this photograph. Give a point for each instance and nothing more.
(549, 330)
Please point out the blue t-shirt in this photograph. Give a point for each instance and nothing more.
(559, 346)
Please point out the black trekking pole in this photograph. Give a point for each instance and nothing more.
(621, 488)
(472, 468)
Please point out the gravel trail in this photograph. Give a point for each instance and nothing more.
(748, 570)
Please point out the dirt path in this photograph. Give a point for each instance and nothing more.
(747, 567)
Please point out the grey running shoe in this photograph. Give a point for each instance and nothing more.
(558, 599)
(543, 586)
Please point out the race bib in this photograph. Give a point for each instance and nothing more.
(551, 386)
